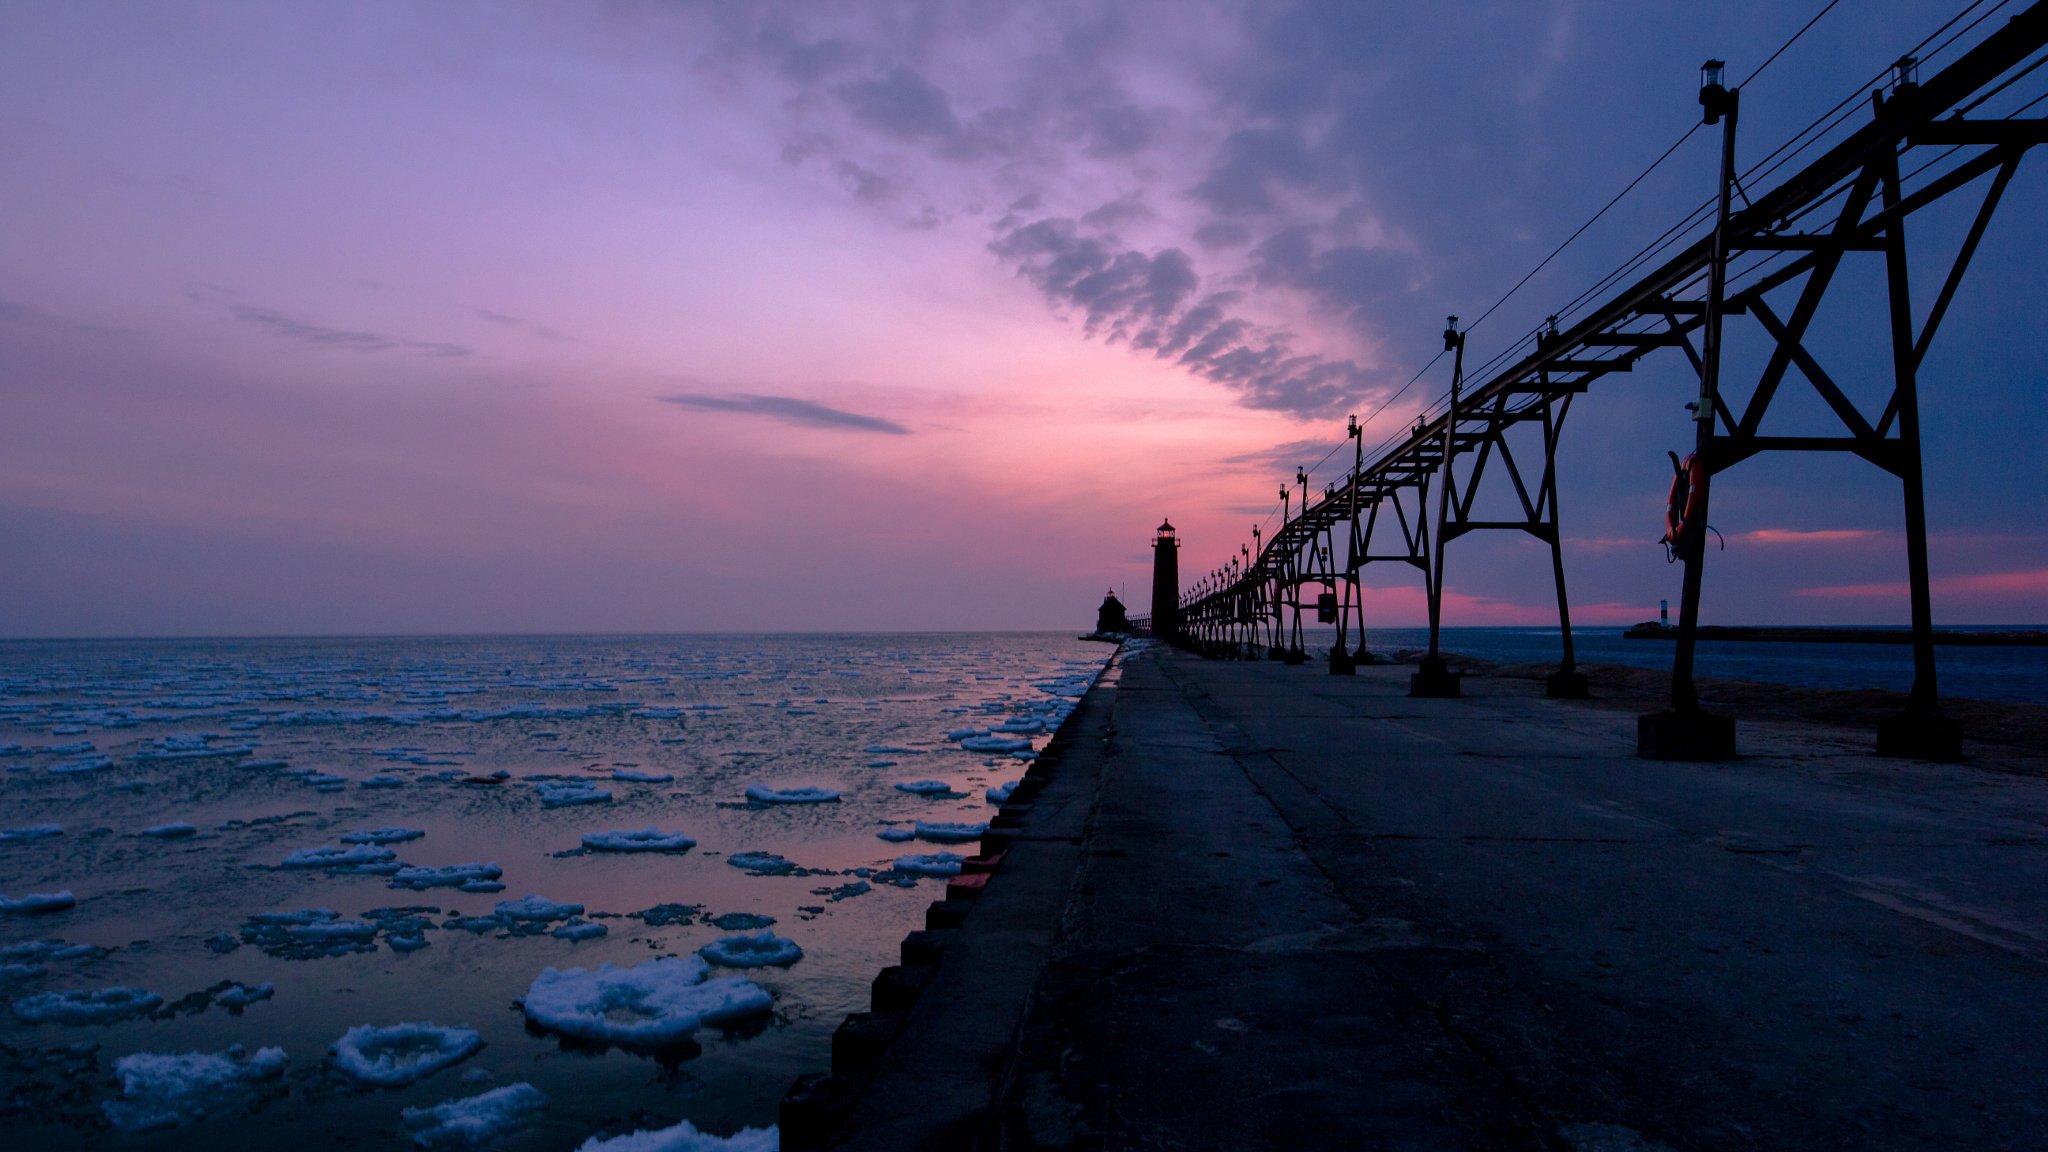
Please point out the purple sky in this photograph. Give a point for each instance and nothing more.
(448, 317)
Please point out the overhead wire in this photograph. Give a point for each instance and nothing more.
(1798, 143)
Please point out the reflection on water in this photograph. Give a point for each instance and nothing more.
(166, 784)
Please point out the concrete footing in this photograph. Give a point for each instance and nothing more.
(1920, 736)
(1673, 735)
(1434, 679)
(1566, 685)
(1342, 663)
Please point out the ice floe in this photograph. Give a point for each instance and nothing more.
(949, 832)
(752, 950)
(421, 877)
(897, 835)
(577, 930)
(328, 856)
(82, 764)
(932, 864)
(166, 1089)
(37, 903)
(924, 787)
(633, 777)
(1000, 793)
(645, 840)
(401, 1053)
(685, 1137)
(236, 997)
(762, 863)
(34, 832)
(175, 830)
(762, 794)
(538, 908)
(76, 1007)
(472, 1120)
(995, 744)
(740, 921)
(566, 793)
(659, 1003)
(390, 835)
(663, 915)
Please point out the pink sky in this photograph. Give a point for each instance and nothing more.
(458, 317)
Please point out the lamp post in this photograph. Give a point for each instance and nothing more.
(1685, 732)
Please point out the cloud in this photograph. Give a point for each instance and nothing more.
(320, 336)
(1150, 301)
(903, 105)
(785, 410)
(1805, 536)
(2032, 582)
(533, 327)
(1291, 455)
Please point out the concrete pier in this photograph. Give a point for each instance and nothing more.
(1257, 906)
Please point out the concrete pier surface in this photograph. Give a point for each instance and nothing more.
(1259, 906)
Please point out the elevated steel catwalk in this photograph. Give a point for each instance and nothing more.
(1919, 147)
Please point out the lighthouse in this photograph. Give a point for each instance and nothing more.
(1166, 583)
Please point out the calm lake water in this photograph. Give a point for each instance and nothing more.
(2003, 673)
(267, 748)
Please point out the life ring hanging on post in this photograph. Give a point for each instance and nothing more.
(1683, 528)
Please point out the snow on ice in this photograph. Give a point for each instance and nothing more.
(752, 950)
(685, 1137)
(166, 1089)
(661, 1002)
(762, 794)
(644, 840)
(471, 1120)
(400, 1054)
(948, 832)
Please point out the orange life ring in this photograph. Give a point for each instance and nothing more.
(1682, 505)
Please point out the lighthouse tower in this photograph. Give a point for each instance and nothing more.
(1166, 583)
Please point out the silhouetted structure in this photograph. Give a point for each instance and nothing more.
(1110, 617)
(1166, 583)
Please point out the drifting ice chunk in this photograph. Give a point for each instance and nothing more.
(82, 764)
(71, 749)
(239, 996)
(1021, 724)
(537, 908)
(762, 794)
(752, 950)
(392, 835)
(995, 744)
(962, 733)
(472, 1120)
(645, 840)
(37, 903)
(38, 832)
(402, 1053)
(175, 830)
(685, 1137)
(661, 1002)
(481, 886)
(102, 1007)
(924, 787)
(740, 921)
(165, 1089)
(947, 832)
(576, 930)
(761, 863)
(1000, 793)
(420, 877)
(328, 856)
(9, 973)
(565, 793)
(642, 777)
(897, 835)
(934, 864)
